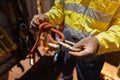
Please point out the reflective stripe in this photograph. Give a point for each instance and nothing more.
(77, 34)
(62, 1)
(88, 12)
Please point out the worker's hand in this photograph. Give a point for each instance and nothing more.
(89, 48)
(36, 21)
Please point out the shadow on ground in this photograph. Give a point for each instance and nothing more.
(44, 69)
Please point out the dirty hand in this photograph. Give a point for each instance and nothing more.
(89, 48)
(36, 20)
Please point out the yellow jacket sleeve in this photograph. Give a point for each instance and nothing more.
(110, 40)
(56, 15)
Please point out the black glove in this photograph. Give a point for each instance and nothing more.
(89, 48)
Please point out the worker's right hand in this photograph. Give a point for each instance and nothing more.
(36, 21)
(89, 46)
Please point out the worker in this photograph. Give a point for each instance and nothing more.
(94, 27)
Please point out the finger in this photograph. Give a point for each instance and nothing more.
(85, 54)
(35, 22)
(77, 54)
(34, 26)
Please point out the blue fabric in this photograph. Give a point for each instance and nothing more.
(86, 70)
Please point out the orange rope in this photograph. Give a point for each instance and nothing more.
(46, 27)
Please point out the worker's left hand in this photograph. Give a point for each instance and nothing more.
(89, 48)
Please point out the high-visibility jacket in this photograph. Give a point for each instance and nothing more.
(98, 17)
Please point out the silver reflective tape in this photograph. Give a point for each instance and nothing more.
(75, 7)
(103, 17)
